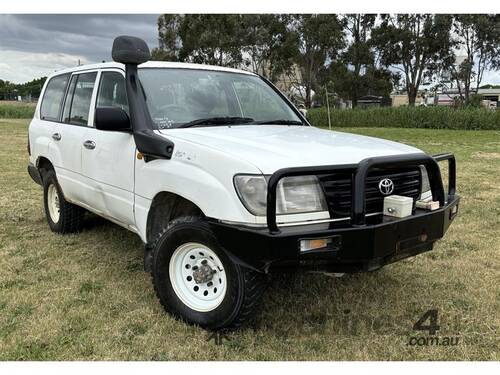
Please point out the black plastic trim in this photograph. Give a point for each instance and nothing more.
(149, 143)
(133, 51)
(34, 174)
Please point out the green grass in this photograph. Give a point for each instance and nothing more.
(16, 110)
(408, 117)
(85, 296)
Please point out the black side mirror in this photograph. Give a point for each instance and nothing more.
(112, 119)
(130, 50)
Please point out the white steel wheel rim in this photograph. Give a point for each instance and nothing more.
(202, 296)
(53, 203)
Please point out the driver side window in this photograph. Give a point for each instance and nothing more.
(112, 91)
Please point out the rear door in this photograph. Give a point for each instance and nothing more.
(108, 157)
(69, 135)
(43, 127)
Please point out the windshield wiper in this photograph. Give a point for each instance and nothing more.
(279, 122)
(217, 121)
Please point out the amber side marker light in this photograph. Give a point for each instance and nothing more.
(319, 243)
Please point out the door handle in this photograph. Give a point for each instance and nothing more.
(56, 137)
(89, 144)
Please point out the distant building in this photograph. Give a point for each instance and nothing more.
(447, 97)
(490, 97)
(401, 98)
(374, 101)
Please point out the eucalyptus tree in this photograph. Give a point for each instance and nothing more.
(214, 39)
(268, 45)
(415, 44)
(318, 40)
(477, 40)
(169, 38)
(357, 72)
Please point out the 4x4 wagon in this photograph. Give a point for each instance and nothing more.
(224, 180)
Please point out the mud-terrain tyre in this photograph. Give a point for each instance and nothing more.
(62, 216)
(197, 281)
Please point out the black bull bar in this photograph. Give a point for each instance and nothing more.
(359, 174)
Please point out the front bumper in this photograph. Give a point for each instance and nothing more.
(364, 243)
(382, 241)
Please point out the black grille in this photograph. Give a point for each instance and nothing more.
(337, 188)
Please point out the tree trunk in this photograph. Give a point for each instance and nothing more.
(354, 98)
(412, 96)
(308, 97)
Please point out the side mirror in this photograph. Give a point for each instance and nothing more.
(130, 50)
(111, 119)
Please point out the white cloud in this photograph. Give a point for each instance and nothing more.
(19, 67)
(32, 45)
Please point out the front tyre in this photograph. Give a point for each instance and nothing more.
(196, 281)
(62, 216)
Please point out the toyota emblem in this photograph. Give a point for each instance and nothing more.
(386, 186)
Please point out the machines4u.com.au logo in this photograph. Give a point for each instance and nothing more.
(428, 322)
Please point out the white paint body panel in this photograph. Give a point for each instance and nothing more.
(66, 156)
(272, 147)
(111, 181)
(108, 170)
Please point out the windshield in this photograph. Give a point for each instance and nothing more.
(188, 97)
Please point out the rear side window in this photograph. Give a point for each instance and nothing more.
(77, 104)
(112, 91)
(52, 98)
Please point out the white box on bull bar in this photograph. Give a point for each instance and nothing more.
(398, 206)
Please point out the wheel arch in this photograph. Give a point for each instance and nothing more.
(44, 164)
(165, 207)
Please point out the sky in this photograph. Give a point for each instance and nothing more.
(35, 45)
(32, 46)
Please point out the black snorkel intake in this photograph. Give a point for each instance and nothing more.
(133, 51)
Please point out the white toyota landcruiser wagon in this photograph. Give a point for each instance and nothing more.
(224, 180)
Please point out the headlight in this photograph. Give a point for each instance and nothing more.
(294, 195)
(252, 191)
(425, 191)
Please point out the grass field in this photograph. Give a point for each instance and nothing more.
(85, 296)
(16, 110)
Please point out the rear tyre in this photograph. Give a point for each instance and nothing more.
(196, 281)
(62, 216)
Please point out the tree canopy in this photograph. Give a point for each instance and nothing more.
(415, 44)
(477, 39)
(353, 54)
(10, 91)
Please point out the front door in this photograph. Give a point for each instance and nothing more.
(108, 157)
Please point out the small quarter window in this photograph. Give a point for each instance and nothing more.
(112, 91)
(69, 99)
(52, 98)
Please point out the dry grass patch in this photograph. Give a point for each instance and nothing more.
(85, 296)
